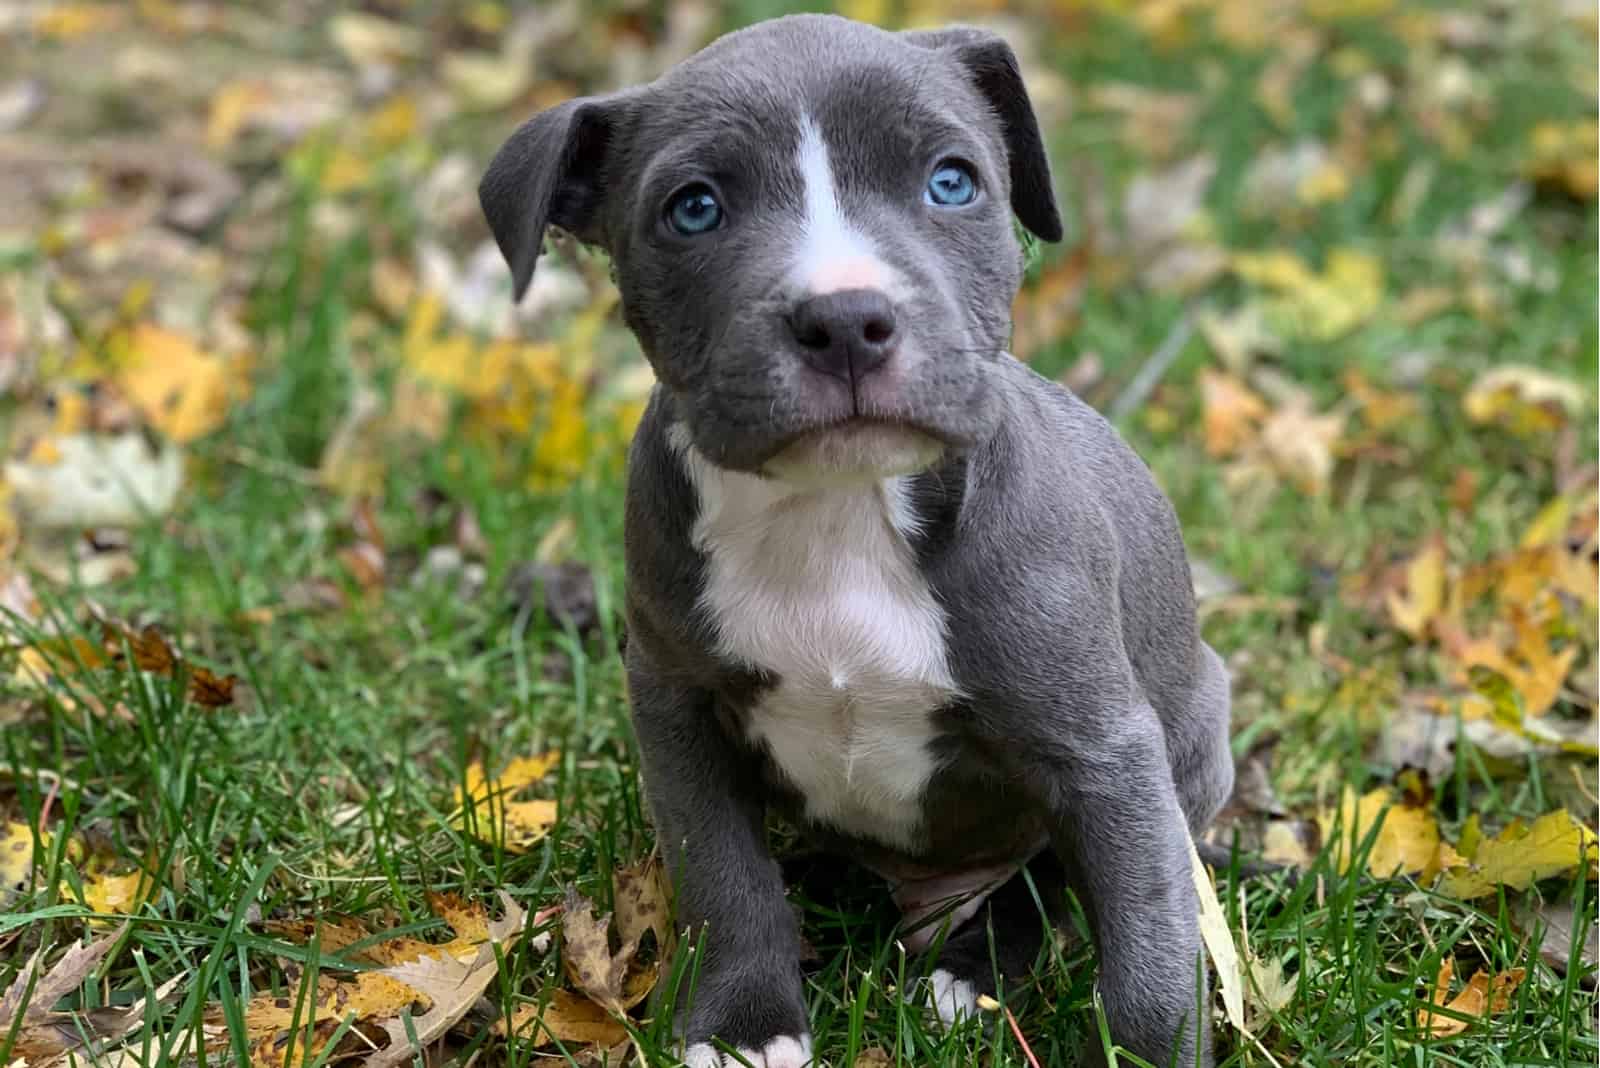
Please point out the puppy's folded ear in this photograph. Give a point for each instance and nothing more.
(992, 67)
(550, 172)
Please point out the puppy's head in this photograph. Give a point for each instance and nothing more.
(811, 226)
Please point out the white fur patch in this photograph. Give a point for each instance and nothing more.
(819, 586)
(832, 255)
(784, 1051)
(854, 454)
(953, 999)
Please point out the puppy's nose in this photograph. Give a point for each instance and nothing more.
(846, 334)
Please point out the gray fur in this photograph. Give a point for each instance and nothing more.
(1092, 718)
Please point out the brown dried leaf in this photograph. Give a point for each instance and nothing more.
(641, 901)
(65, 976)
(586, 949)
(1480, 998)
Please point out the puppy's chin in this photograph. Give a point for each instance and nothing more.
(854, 453)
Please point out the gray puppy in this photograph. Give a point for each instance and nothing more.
(881, 576)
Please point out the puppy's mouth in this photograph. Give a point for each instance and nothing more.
(856, 448)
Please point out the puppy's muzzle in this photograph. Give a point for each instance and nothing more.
(847, 334)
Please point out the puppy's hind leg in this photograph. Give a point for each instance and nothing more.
(1197, 744)
(998, 945)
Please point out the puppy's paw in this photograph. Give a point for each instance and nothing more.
(785, 1051)
(952, 999)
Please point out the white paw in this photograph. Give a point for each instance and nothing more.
(784, 1051)
(953, 999)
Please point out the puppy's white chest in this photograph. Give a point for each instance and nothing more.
(819, 587)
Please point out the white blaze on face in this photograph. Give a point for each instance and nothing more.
(832, 255)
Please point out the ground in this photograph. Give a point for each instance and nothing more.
(1331, 268)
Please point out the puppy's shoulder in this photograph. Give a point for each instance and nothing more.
(664, 572)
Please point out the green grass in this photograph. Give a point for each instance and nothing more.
(329, 789)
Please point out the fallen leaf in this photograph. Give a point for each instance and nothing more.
(1300, 443)
(1231, 412)
(1382, 410)
(1519, 856)
(1423, 598)
(117, 895)
(1562, 156)
(63, 978)
(1480, 998)
(67, 22)
(1271, 991)
(1407, 842)
(372, 40)
(487, 80)
(1555, 924)
(1238, 338)
(1161, 207)
(1520, 670)
(179, 389)
(1219, 944)
(1522, 399)
(436, 974)
(1283, 180)
(283, 104)
(490, 814)
(151, 652)
(352, 464)
(1316, 306)
(1283, 842)
(641, 902)
(97, 481)
(16, 860)
(586, 950)
(452, 986)
(568, 1018)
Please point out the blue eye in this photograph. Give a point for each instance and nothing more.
(952, 185)
(694, 211)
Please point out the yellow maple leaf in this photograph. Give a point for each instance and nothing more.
(1423, 599)
(1407, 843)
(1523, 650)
(488, 813)
(118, 895)
(179, 389)
(1520, 856)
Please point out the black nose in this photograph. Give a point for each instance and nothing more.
(847, 334)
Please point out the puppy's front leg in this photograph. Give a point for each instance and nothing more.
(1121, 834)
(710, 821)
